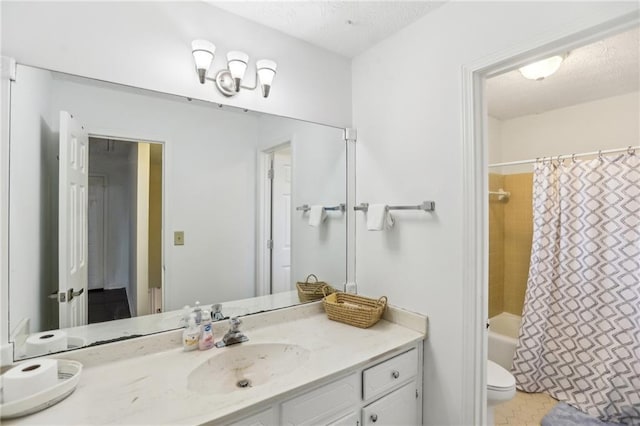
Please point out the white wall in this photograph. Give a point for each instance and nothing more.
(494, 134)
(608, 123)
(148, 45)
(319, 177)
(32, 213)
(409, 149)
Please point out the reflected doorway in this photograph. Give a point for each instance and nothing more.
(124, 229)
(281, 219)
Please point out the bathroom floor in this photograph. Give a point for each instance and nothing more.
(107, 305)
(526, 409)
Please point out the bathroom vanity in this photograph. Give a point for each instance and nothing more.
(297, 368)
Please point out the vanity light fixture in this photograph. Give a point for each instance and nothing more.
(229, 80)
(203, 53)
(542, 69)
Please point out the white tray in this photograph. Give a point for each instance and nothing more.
(68, 377)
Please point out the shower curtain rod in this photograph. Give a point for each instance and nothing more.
(564, 157)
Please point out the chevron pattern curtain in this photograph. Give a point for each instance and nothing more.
(580, 335)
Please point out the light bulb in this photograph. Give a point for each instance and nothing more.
(266, 72)
(542, 69)
(203, 53)
(237, 63)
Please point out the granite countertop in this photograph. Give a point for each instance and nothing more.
(144, 381)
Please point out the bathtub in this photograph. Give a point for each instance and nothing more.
(503, 336)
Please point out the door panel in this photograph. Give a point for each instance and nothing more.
(281, 221)
(72, 222)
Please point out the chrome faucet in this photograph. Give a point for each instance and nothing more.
(233, 335)
(216, 312)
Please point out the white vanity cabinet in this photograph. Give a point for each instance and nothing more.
(385, 392)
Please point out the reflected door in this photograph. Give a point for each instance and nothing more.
(72, 222)
(281, 221)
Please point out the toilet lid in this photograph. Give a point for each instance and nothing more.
(498, 378)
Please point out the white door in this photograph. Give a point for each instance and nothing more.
(281, 221)
(72, 222)
(96, 225)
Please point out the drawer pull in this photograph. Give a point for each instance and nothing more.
(374, 418)
(395, 374)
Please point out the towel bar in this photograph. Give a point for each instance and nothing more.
(427, 206)
(306, 207)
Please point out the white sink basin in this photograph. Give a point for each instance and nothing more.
(246, 365)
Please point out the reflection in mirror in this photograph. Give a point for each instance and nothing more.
(126, 202)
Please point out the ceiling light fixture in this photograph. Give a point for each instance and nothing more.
(542, 69)
(229, 80)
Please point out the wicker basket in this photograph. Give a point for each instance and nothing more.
(353, 309)
(311, 291)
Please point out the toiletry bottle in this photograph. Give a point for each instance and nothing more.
(206, 337)
(198, 312)
(191, 335)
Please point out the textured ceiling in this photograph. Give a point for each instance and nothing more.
(344, 27)
(600, 70)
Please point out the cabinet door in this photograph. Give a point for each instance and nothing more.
(352, 419)
(263, 418)
(399, 408)
(321, 405)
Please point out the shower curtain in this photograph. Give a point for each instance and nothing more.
(580, 335)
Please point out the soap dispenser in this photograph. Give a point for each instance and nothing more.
(191, 335)
(198, 313)
(206, 337)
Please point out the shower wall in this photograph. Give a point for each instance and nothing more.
(510, 232)
(496, 247)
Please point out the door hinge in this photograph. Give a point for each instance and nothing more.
(270, 244)
(270, 174)
(416, 393)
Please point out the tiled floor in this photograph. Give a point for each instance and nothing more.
(526, 409)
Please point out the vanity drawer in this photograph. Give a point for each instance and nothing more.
(382, 377)
(320, 405)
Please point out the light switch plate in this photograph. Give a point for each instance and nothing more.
(178, 238)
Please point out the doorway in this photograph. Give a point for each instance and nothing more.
(124, 228)
(543, 112)
(476, 186)
(274, 251)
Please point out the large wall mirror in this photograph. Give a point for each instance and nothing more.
(126, 205)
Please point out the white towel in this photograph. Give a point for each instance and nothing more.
(378, 217)
(317, 215)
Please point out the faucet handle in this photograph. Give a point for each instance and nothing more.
(235, 323)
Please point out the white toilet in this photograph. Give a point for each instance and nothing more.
(501, 387)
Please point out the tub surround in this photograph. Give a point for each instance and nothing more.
(144, 380)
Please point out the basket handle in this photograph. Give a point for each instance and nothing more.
(381, 302)
(324, 290)
(309, 276)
